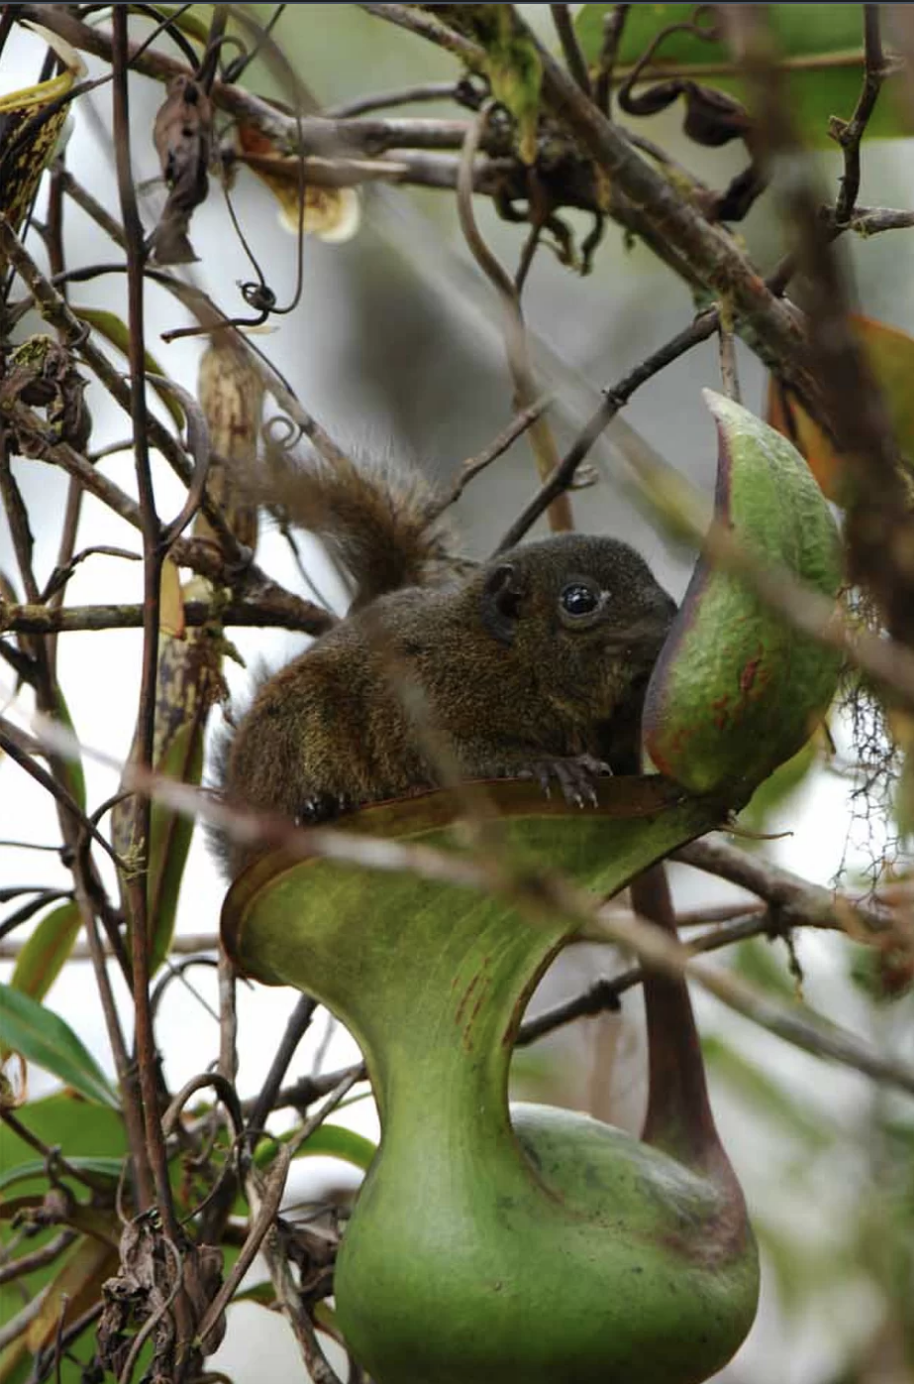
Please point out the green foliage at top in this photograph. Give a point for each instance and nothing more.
(828, 37)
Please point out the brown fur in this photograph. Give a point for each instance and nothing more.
(503, 679)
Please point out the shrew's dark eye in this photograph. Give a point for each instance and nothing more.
(578, 599)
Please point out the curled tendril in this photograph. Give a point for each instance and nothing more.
(281, 432)
(710, 33)
(260, 297)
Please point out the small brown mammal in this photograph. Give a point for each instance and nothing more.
(534, 663)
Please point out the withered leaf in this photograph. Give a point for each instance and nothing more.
(183, 139)
(42, 374)
(712, 117)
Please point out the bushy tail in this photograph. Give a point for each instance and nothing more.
(381, 524)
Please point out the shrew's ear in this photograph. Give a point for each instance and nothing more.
(501, 602)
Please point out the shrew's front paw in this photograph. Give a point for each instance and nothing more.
(576, 776)
(323, 807)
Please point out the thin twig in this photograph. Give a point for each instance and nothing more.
(615, 399)
(54, 308)
(198, 554)
(211, 317)
(13, 745)
(287, 1292)
(38, 1259)
(265, 1195)
(224, 1090)
(879, 530)
(383, 100)
(702, 251)
(794, 898)
(17, 1324)
(867, 221)
(153, 554)
(849, 133)
(420, 22)
(613, 26)
(525, 389)
(261, 612)
(603, 996)
(297, 1026)
(496, 448)
(52, 1156)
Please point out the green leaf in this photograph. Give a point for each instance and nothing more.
(182, 19)
(822, 43)
(72, 768)
(103, 1167)
(44, 1038)
(737, 690)
(328, 1140)
(75, 1288)
(67, 1121)
(169, 841)
(188, 674)
(114, 329)
(40, 961)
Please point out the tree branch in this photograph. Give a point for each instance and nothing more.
(849, 133)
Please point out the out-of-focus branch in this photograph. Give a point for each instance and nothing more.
(571, 49)
(614, 399)
(867, 221)
(795, 899)
(259, 611)
(526, 390)
(530, 891)
(877, 493)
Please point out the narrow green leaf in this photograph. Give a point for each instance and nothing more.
(114, 329)
(182, 19)
(40, 961)
(72, 768)
(103, 1167)
(44, 1038)
(188, 676)
(169, 840)
(328, 1140)
(68, 1120)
